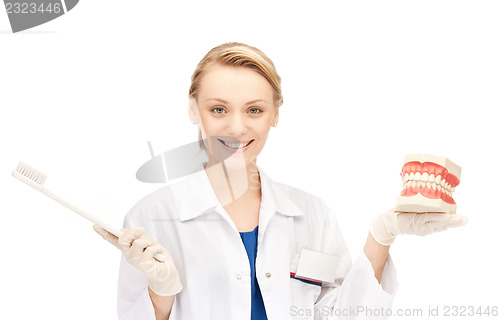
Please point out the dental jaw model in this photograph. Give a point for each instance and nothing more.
(428, 184)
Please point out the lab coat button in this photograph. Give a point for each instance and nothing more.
(238, 276)
(268, 275)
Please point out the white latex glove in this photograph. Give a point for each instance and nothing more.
(139, 250)
(390, 224)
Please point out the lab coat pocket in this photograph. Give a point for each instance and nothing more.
(309, 270)
(304, 295)
(305, 290)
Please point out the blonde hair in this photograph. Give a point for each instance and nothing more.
(237, 54)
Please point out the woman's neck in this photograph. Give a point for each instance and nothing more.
(234, 184)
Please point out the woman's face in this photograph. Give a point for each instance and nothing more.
(236, 109)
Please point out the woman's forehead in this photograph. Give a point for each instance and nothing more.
(234, 84)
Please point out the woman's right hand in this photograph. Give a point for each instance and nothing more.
(390, 224)
(139, 250)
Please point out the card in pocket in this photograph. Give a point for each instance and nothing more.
(316, 266)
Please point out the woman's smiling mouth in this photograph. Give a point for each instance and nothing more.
(236, 145)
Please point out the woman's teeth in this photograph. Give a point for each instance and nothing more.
(235, 145)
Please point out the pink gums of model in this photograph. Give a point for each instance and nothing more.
(428, 184)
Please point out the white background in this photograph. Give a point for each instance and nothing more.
(364, 84)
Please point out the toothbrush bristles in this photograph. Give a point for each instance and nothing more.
(31, 173)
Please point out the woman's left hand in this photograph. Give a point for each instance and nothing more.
(390, 224)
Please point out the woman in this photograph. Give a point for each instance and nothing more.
(237, 244)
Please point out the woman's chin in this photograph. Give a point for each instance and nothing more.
(233, 162)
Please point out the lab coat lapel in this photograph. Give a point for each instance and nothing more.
(203, 200)
(274, 200)
(276, 229)
(196, 196)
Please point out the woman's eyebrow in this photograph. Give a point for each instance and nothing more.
(249, 102)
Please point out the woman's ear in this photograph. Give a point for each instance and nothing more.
(193, 111)
(274, 123)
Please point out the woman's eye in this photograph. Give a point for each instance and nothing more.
(218, 110)
(255, 111)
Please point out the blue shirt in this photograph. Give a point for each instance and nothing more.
(250, 242)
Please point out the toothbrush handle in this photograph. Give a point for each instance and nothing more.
(114, 231)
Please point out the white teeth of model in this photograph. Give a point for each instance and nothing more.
(438, 179)
(453, 189)
(234, 145)
(417, 176)
(439, 187)
(428, 184)
(431, 177)
(424, 177)
(433, 185)
(443, 183)
(407, 177)
(412, 175)
(413, 183)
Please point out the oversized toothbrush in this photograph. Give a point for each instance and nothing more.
(36, 179)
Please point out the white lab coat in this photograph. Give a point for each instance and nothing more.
(189, 221)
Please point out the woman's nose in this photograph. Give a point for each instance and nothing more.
(237, 126)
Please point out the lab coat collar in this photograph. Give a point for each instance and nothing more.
(205, 200)
(275, 198)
